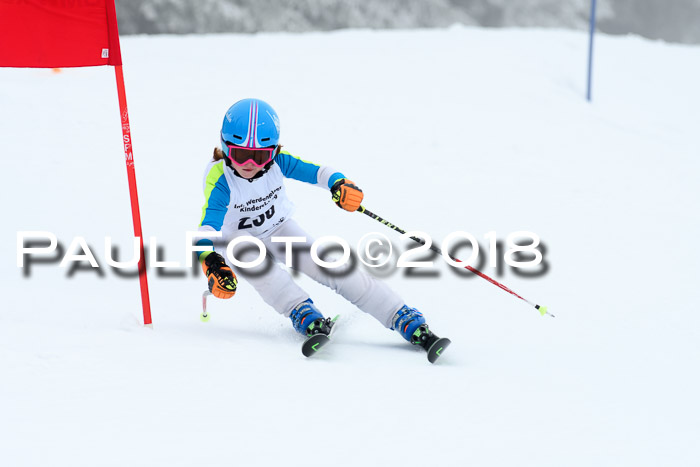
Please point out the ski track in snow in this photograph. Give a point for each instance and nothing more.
(444, 130)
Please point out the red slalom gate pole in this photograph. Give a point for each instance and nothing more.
(133, 193)
(542, 309)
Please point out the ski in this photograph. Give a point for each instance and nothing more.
(315, 342)
(436, 348)
(430, 342)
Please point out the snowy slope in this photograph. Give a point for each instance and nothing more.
(457, 129)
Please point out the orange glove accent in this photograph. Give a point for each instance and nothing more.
(347, 195)
(222, 281)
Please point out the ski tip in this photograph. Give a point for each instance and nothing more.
(313, 344)
(436, 350)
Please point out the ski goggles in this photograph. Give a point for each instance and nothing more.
(260, 157)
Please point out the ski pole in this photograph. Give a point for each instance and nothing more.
(204, 316)
(542, 309)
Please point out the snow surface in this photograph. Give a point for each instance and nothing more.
(445, 130)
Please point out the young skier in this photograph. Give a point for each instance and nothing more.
(245, 196)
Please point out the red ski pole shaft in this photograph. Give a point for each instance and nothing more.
(542, 309)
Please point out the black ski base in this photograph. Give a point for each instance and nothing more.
(313, 344)
(436, 348)
(320, 337)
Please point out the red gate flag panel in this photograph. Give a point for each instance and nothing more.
(58, 33)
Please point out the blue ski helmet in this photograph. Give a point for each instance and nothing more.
(250, 123)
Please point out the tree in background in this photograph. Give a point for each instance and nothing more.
(672, 20)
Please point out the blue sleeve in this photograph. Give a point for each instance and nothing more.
(204, 242)
(334, 178)
(293, 167)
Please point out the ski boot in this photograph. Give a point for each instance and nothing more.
(303, 315)
(320, 326)
(410, 323)
(307, 320)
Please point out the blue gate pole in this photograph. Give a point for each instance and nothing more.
(590, 49)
